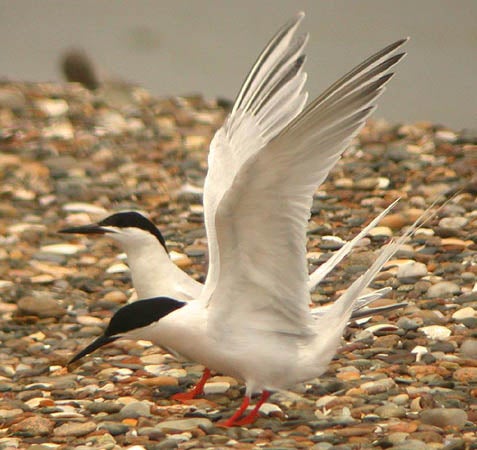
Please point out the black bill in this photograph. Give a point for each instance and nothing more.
(86, 229)
(102, 340)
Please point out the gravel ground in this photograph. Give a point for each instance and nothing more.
(404, 381)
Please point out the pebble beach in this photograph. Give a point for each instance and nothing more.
(406, 380)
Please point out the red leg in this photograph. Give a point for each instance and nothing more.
(195, 391)
(252, 415)
(232, 420)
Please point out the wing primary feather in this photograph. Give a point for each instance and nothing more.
(282, 78)
(327, 116)
(369, 62)
(281, 37)
(360, 75)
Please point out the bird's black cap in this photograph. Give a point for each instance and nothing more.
(133, 316)
(123, 219)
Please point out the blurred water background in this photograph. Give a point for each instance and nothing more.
(175, 47)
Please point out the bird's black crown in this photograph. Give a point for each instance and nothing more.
(133, 219)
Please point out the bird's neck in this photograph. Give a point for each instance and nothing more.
(151, 268)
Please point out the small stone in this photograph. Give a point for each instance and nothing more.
(40, 306)
(331, 243)
(419, 351)
(469, 348)
(117, 268)
(407, 323)
(453, 222)
(109, 407)
(344, 183)
(84, 208)
(75, 429)
(63, 249)
(8, 413)
(89, 320)
(268, 409)
(444, 417)
(411, 444)
(61, 130)
(180, 259)
(115, 297)
(390, 410)
(375, 387)
(52, 107)
(436, 332)
(33, 426)
(184, 424)
(368, 184)
(380, 231)
(443, 289)
(160, 380)
(135, 410)
(113, 428)
(466, 374)
(464, 313)
(412, 269)
(216, 387)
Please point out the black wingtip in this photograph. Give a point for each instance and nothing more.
(99, 342)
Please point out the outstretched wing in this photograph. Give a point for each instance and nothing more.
(271, 96)
(261, 217)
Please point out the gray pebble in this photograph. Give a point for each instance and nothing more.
(184, 424)
(407, 323)
(411, 444)
(75, 429)
(469, 348)
(444, 289)
(135, 410)
(322, 446)
(113, 428)
(444, 417)
(167, 444)
(455, 444)
(453, 222)
(470, 322)
(412, 270)
(109, 407)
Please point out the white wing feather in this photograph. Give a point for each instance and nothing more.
(264, 165)
(261, 218)
(269, 99)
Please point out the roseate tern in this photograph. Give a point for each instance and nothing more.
(252, 319)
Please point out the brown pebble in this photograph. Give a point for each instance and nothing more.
(160, 381)
(33, 426)
(466, 374)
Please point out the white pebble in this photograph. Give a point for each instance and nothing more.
(63, 249)
(380, 231)
(117, 268)
(412, 269)
(464, 313)
(89, 320)
(52, 107)
(268, 408)
(217, 387)
(437, 332)
(419, 351)
(453, 222)
(84, 207)
(62, 130)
